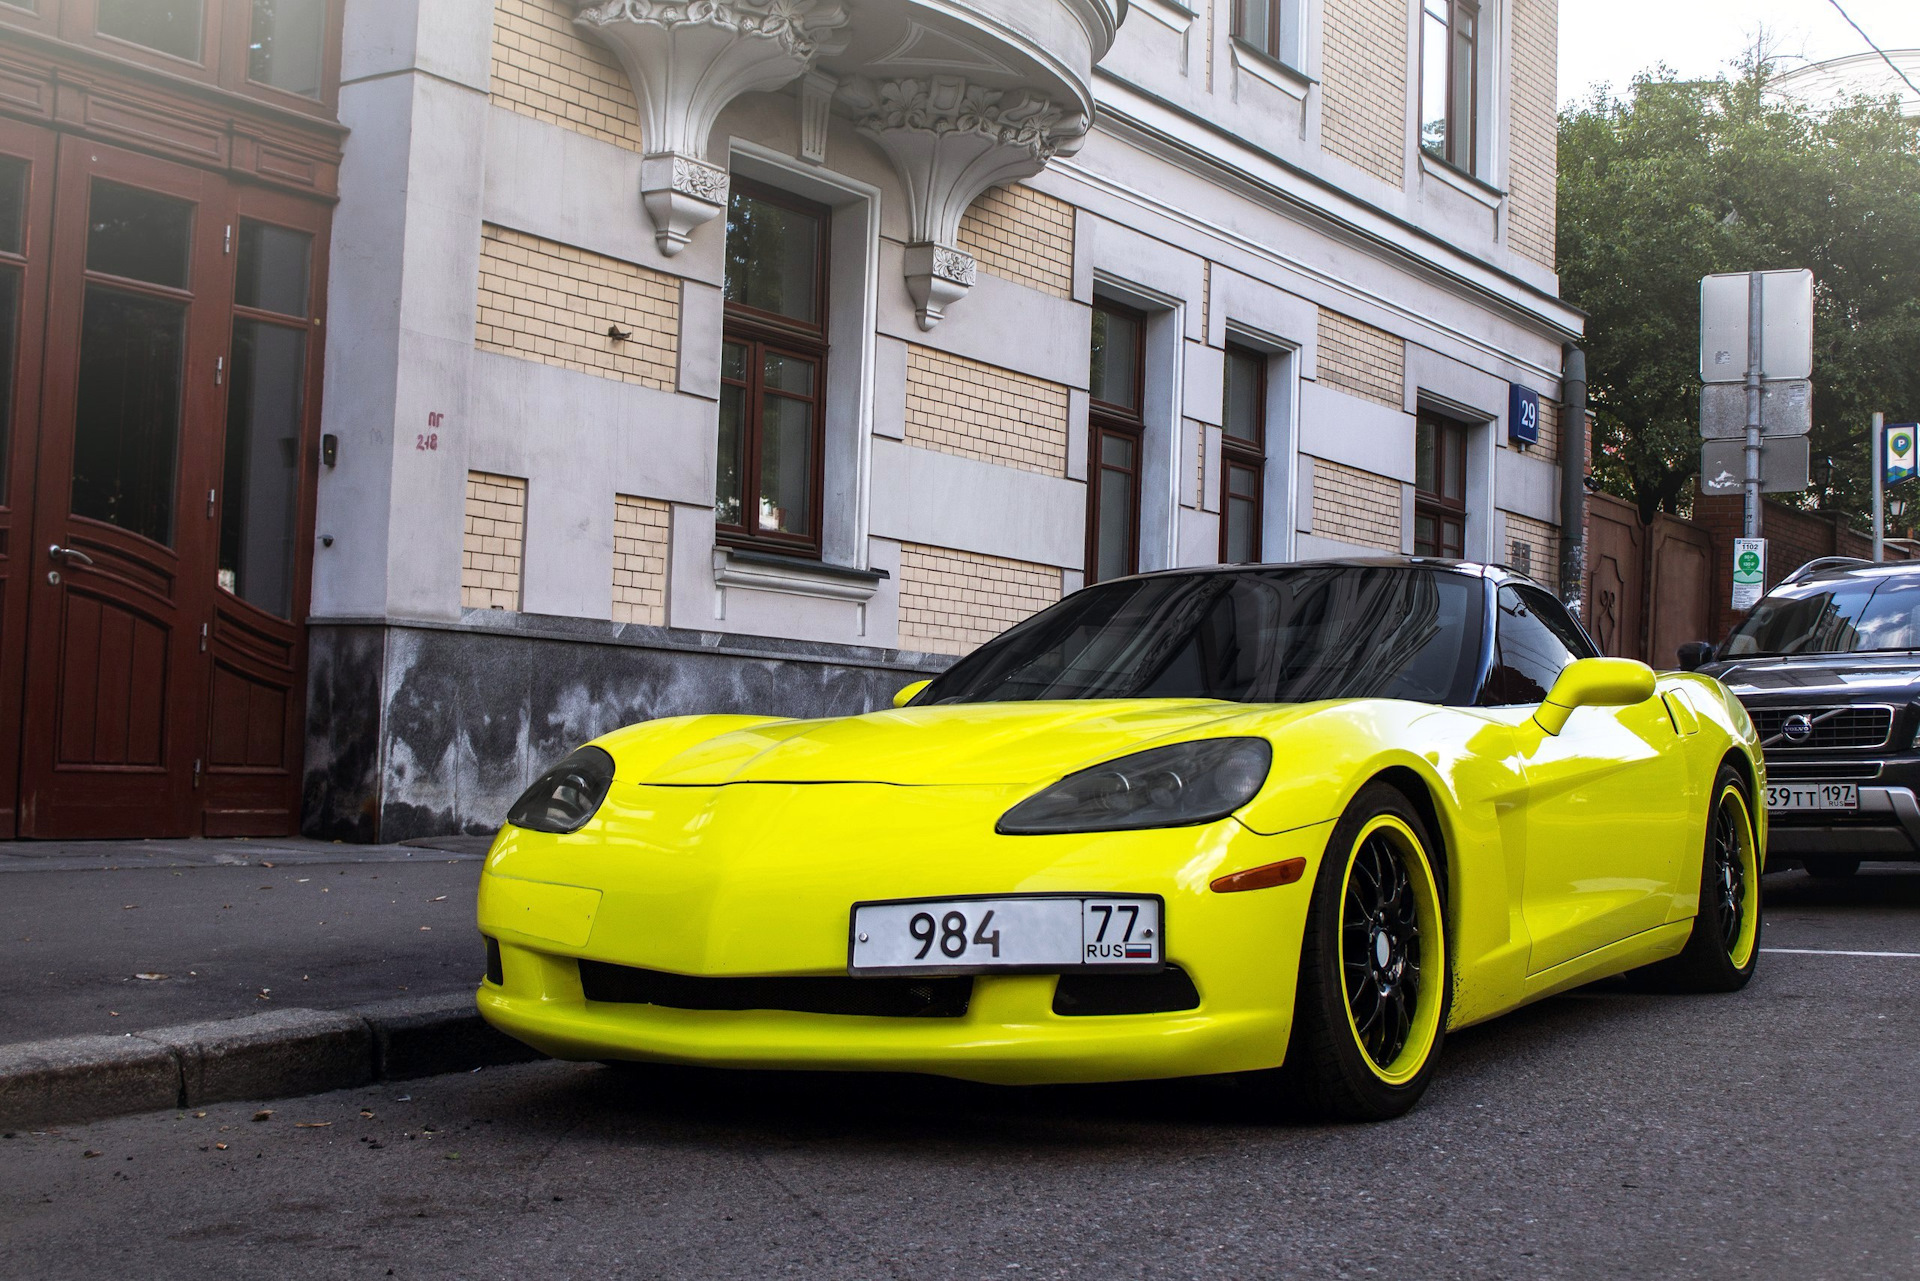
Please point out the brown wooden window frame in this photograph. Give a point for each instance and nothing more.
(1436, 504)
(1245, 455)
(764, 333)
(1105, 419)
(1461, 149)
(226, 32)
(1276, 11)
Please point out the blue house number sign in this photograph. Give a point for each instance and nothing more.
(1523, 415)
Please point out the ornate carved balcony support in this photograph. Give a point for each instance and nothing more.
(688, 59)
(950, 140)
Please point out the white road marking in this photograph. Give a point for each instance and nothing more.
(1820, 951)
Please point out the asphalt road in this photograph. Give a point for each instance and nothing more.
(1602, 1134)
(223, 940)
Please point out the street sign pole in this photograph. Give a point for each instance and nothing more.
(1879, 488)
(1756, 337)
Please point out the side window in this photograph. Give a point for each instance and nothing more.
(1555, 616)
(1528, 655)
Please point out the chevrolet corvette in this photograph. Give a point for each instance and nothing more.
(1293, 821)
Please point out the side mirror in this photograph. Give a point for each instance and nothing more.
(1695, 655)
(911, 692)
(1594, 682)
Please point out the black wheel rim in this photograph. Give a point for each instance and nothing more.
(1729, 886)
(1380, 949)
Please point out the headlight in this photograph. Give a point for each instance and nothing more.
(1178, 786)
(566, 796)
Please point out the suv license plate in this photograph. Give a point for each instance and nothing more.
(1029, 932)
(1789, 797)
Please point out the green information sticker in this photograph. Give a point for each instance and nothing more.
(1749, 571)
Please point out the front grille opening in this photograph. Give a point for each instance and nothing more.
(880, 997)
(1829, 728)
(495, 974)
(1163, 993)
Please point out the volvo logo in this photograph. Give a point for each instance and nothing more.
(1797, 728)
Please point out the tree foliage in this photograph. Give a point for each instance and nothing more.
(1682, 179)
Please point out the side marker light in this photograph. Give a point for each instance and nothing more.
(1262, 878)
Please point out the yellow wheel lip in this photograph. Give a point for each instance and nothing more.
(1741, 953)
(1425, 1033)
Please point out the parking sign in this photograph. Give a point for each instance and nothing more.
(1900, 451)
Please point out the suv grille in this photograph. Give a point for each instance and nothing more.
(883, 997)
(1812, 729)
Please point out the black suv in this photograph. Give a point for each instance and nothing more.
(1828, 667)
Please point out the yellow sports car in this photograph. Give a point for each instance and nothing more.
(1297, 819)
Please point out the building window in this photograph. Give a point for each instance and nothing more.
(773, 371)
(286, 44)
(1117, 428)
(171, 26)
(1243, 456)
(1449, 80)
(1440, 487)
(1271, 26)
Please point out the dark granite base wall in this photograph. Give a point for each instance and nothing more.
(423, 730)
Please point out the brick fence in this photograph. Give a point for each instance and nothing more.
(1793, 539)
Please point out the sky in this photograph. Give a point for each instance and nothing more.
(1610, 40)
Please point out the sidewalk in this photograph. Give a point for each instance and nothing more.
(251, 950)
(235, 928)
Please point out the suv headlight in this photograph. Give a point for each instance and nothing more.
(566, 796)
(1179, 786)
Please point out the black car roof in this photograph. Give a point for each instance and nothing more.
(1814, 572)
(1467, 568)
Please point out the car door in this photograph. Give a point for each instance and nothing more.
(1607, 797)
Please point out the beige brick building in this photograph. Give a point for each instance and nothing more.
(775, 395)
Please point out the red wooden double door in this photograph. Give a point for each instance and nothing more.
(159, 385)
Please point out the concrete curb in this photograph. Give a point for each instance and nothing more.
(277, 1054)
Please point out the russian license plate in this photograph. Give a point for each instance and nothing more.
(1037, 932)
(1788, 797)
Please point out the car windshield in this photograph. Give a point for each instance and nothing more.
(1284, 635)
(1833, 616)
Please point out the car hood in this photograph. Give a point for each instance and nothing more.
(969, 745)
(1827, 674)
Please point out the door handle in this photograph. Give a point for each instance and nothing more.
(69, 554)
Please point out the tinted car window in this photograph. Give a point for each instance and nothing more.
(1283, 635)
(1832, 616)
(1528, 654)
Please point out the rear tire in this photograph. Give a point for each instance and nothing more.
(1830, 868)
(1725, 943)
(1375, 982)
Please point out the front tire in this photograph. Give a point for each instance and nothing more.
(1725, 943)
(1375, 981)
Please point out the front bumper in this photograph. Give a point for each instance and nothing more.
(687, 882)
(1887, 825)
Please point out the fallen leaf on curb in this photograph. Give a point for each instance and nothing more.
(221, 1146)
(128, 907)
(91, 1152)
(264, 864)
(451, 1156)
(441, 899)
(366, 1113)
(264, 1114)
(311, 1125)
(114, 1013)
(199, 1116)
(425, 928)
(151, 978)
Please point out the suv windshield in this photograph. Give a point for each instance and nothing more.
(1832, 616)
(1284, 635)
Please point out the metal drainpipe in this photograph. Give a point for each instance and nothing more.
(1573, 480)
